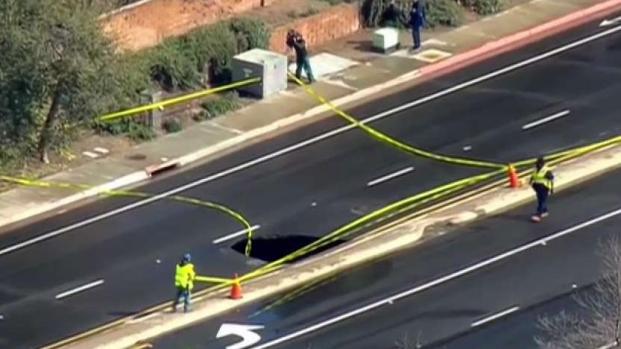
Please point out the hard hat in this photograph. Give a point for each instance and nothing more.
(187, 257)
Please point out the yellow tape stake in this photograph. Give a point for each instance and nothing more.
(391, 141)
(161, 105)
(184, 199)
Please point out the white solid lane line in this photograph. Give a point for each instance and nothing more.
(390, 176)
(437, 282)
(494, 316)
(236, 234)
(312, 140)
(80, 289)
(546, 119)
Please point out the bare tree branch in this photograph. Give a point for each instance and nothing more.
(602, 328)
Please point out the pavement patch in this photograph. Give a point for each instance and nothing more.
(432, 55)
(325, 64)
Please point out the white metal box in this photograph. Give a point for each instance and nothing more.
(386, 40)
(271, 67)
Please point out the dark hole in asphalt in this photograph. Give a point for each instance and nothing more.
(272, 248)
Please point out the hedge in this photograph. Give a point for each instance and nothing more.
(439, 12)
(485, 7)
(203, 56)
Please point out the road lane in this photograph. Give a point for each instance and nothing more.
(587, 215)
(521, 329)
(307, 192)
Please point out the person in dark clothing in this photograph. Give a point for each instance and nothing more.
(542, 182)
(391, 16)
(296, 42)
(417, 20)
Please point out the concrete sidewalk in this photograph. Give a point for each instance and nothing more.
(344, 77)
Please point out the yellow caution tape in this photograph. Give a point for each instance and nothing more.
(351, 227)
(391, 141)
(213, 280)
(177, 100)
(574, 152)
(407, 203)
(184, 199)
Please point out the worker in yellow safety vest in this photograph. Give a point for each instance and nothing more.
(542, 182)
(184, 282)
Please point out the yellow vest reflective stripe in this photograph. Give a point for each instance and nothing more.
(540, 177)
(184, 276)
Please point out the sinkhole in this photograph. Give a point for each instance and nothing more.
(271, 248)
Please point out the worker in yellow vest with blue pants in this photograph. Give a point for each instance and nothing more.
(542, 182)
(184, 282)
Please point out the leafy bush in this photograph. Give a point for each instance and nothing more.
(444, 12)
(213, 48)
(439, 12)
(140, 132)
(172, 125)
(133, 129)
(185, 62)
(219, 106)
(172, 66)
(485, 7)
(250, 33)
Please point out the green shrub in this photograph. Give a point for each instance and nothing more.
(219, 106)
(444, 12)
(173, 66)
(213, 48)
(250, 33)
(140, 132)
(485, 7)
(131, 128)
(172, 125)
(184, 63)
(439, 12)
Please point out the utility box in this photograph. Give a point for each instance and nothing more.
(271, 67)
(386, 40)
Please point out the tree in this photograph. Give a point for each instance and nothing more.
(602, 328)
(57, 71)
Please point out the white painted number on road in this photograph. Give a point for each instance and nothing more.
(608, 22)
(246, 332)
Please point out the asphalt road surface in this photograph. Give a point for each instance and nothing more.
(484, 286)
(122, 257)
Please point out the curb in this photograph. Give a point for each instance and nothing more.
(449, 65)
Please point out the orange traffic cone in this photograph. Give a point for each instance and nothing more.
(514, 180)
(236, 290)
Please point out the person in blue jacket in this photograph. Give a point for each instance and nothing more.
(417, 21)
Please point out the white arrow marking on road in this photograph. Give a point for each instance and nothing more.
(607, 22)
(246, 332)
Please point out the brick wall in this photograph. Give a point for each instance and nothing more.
(337, 22)
(147, 24)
